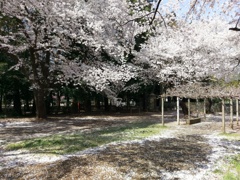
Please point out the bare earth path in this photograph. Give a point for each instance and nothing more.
(181, 152)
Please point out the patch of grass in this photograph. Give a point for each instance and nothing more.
(233, 172)
(218, 171)
(229, 176)
(231, 136)
(69, 143)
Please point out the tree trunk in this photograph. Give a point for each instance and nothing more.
(98, 105)
(88, 106)
(39, 96)
(68, 103)
(209, 105)
(49, 103)
(184, 108)
(34, 108)
(58, 102)
(144, 106)
(17, 103)
(40, 68)
(1, 100)
(75, 109)
(106, 105)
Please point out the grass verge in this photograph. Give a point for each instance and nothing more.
(70, 143)
(233, 171)
(231, 168)
(231, 136)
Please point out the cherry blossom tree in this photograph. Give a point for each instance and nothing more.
(190, 52)
(198, 9)
(87, 42)
(48, 31)
(191, 42)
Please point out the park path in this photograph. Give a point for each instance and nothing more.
(181, 152)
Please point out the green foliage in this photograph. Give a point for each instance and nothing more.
(233, 172)
(3, 67)
(231, 167)
(234, 83)
(11, 25)
(218, 171)
(8, 24)
(69, 143)
(229, 176)
(231, 136)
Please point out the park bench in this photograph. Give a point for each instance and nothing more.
(193, 120)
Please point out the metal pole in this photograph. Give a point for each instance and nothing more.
(178, 119)
(223, 116)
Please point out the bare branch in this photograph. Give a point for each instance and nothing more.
(193, 6)
(235, 28)
(156, 10)
(163, 20)
(136, 19)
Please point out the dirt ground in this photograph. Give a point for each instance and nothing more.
(181, 152)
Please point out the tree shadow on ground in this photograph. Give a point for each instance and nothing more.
(146, 159)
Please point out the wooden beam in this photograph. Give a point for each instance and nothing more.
(197, 107)
(193, 120)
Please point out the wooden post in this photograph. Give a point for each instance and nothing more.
(223, 116)
(189, 108)
(204, 108)
(197, 107)
(178, 119)
(162, 100)
(231, 113)
(237, 111)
